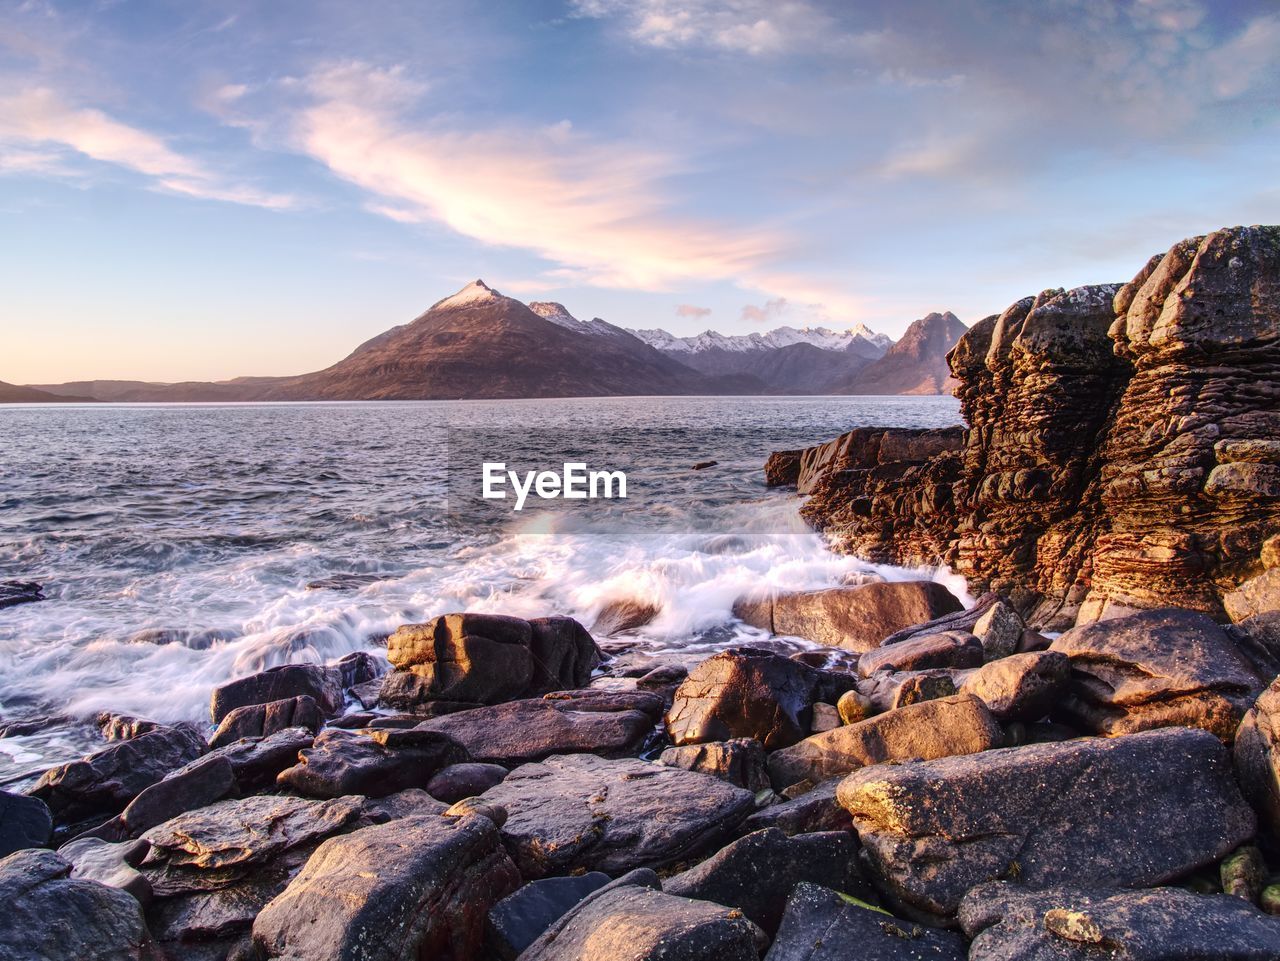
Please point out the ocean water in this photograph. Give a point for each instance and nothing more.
(178, 523)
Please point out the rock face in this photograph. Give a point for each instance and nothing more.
(322, 684)
(474, 659)
(1010, 923)
(581, 811)
(418, 887)
(1134, 810)
(746, 692)
(1120, 447)
(1156, 669)
(48, 914)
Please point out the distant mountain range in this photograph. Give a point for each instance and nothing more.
(480, 344)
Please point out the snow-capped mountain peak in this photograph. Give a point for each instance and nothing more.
(558, 315)
(819, 337)
(476, 292)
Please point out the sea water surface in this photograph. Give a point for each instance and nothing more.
(176, 542)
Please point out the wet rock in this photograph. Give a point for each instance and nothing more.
(1155, 669)
(124, 727)
(478, 805)
(322, 684)
(854, 706)
(740, 761)
(1257, 757)
(1139, 809)
(1010, 923)
(611, 724)
(103, 783)
(360, 667)
(112, 864)
(519, 919)
(704, 464)
(820, 925)
(625, 614)
(458, 781)
(663, 681)
(583, 812)
(633, 923)
(486, 659)
(758, 872)
(1020, 687)
(748, 692)
(419, 887)
(256, 762)
(262, 720)
(931, 729)
(13, 593)
(203, 781)
(25, 822)
(951, 649)
(782, 469)
(375, 765)
(344, 582)
(50, 915)
(812, 811)
(200, 640)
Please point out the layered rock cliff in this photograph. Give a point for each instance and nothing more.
(1122, 448)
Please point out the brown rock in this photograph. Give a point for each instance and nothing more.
(263, 720)
(858, 618)
(740, 761)
(952, 649)
(1257, 757)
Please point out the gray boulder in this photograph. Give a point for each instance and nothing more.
(114, 864)
(322, 684)
(375, 765)
(257, 761)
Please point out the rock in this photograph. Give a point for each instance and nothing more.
(256, 762)
(49, 915)
(664, 681)
(856, 618)
(322, 684)
(611, 724)
(1244, 874)
(13, 593)
(855, 706)
(928, 730)
(1258, 759)
(747, 692)
(519, 919)
(261, 720)
(200, 783)
(624, 615)
(1134, 810)
(419, 887)
(411, 802)
(468, 779)
(487, 659)
(360, 667)
(375, 765)
(825, 717)
(810, 812)
(758, 872)
(1258, 595)
(632, 923)
(704, 464)
(200, 640)
(999, 629)
(1020, 687)
(124, 727)
(103, 783)
(1010, 923)
(112, 864)
(782, 469)
(25, 822)
(964, 620)
(344, 582)
(478, 805)
(952, 649)
(740, 761)
(820, 925)
(580, 811)
(1153, 669)
(889, 691)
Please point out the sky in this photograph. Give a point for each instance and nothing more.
(199, 190)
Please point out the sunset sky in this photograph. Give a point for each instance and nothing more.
(198, 190)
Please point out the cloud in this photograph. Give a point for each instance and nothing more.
(689, 310)
(772, 310)
(595, 209)
(39, 118)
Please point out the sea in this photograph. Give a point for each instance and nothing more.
(176, 543)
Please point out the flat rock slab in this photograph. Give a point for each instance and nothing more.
(418, 887)
(375, 765)
(322, 684)
(1155, 669)
(583, 812)
(1140, 809)
(203, 781)
(49, 915)
(610, 724)
(819, 925)
(930, 729)
(1011, 923)
(632, 923)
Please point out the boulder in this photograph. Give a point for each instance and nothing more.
(1257, 757)
(263, 720)
(1258, 595)
(782, 469)
(820, 925)
(1155, 669)
(103, 783)
(13, 593)
(999, 629)
(200, 783)
(948, 649)
(25, 822)
(747, 692)
(740, 761)
(377, 764)
(257, 761)
(1020, 687)
(1134, 810)
(757, 873)
(419, 887)
(884, 691)
(607, 723)
(486, 659)
(583, 812)
(468, 779)
(931, 729)
(123, 727)
(624, 614)
(634, 923)
(114, 864)
(1010, 923)
(322, 684)
(49, 915)
(813, 811)
(519, 919)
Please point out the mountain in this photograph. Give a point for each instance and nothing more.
(13, 394)
(916, 364)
